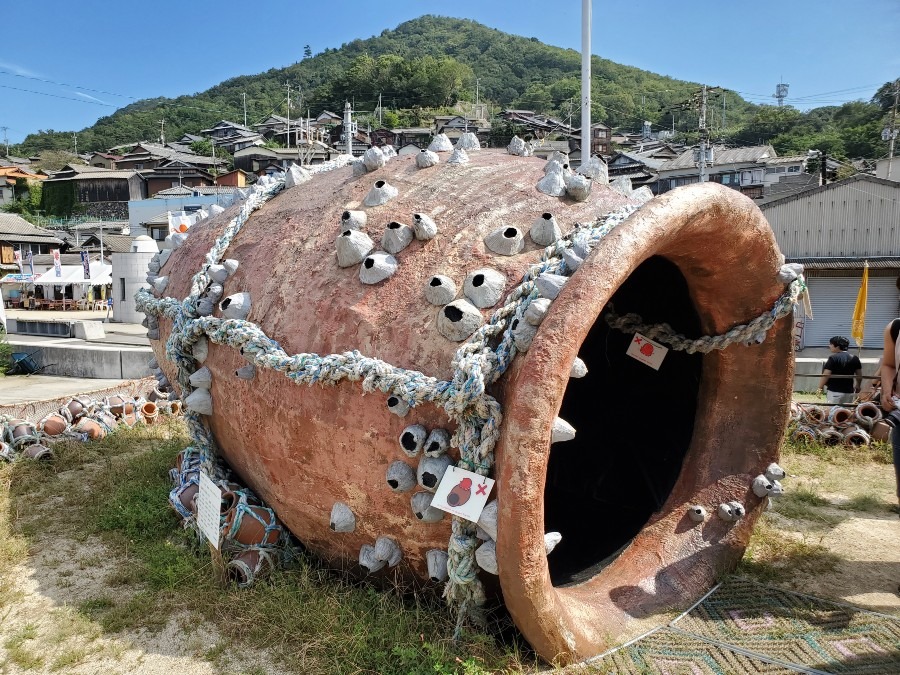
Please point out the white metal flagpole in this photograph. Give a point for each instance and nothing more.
(585, 80)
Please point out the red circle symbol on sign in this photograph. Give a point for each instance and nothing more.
(647, 349)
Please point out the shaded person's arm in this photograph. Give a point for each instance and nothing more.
(888, 370)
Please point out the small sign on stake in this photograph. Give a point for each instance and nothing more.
(462, 493)
(209, 506)
(647, 351)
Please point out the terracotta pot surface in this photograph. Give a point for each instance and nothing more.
(302, 448)
(90, 427)
(38, 452)
(54, 424)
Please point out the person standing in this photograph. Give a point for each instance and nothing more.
(890, 389)
(841, 362)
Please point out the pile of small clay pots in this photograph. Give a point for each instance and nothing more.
(81, 418)
(833, 425)
(251, 538)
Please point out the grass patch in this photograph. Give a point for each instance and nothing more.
(773, 556)
(804, 504)
(307, 617)
(865, 503)
(17, 653)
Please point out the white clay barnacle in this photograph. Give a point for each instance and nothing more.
(775, 472)
(579, 368)
(230, 265)
(164, 257)
(388, 550)
(458, 320)
(505, 241)
(422, 508)
(201, 379)
(377, 267)
(440, 143)
(578, 187)
(373, 158)
(424, 226)
(573, 260)
(596, 169)
(354, 220)
(153, 334)
(160, 283)
(401, 477)
(342, 518)
(214, 291)
(200, 349)
(552, 184)
(458, 156)
(352, 246)
(486, 557)
(516, 146)
(622, 184)
(437, 565)
(397, 406)
(484, 287)
(368, 560)
(549, 285)
(537, 310)
(426, 159)
(551, 541)
(217, 273)
(412, 439)
(523, 333)
(487, 521)
(737, 509)
(468, 141)
(295, 176)
(697, 513)
(544, 230)
(199, 401)
(440, 290)
(397, 237)
(437, 443)
(236, 306)
(247, 372)
(381, 193)
(561, 431)
(431, 470)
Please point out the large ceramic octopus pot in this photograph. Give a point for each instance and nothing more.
(649, 443)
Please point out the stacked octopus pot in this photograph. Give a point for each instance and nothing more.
(648, 443)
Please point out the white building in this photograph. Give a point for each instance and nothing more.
(129, 274)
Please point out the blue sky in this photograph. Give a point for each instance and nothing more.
(100, 52)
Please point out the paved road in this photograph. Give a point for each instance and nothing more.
(20, 388)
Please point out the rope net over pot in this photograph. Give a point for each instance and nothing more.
(383, 359)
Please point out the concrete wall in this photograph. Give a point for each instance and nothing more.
(86, 360)
(129, 272)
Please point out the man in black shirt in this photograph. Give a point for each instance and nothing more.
(841, 362)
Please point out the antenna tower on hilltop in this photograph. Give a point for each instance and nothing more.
(781, 92)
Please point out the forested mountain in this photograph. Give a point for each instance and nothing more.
(432, 62)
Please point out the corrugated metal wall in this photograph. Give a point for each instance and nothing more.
(833, 300)
(857, 218)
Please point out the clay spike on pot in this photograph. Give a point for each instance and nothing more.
(562, 431)
(486, 557)
(579, 368)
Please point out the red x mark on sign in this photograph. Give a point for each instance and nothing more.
(480, 490)
(638, 340)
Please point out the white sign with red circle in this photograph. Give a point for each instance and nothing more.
(462, 493)
(647, 351)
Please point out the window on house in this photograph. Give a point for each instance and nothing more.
(140, 165)
(122, 288)
(769, 170)
(793, 169)
(781, 169)
(158, 234)
(726, 179)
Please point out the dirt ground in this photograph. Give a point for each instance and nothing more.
(44, 627)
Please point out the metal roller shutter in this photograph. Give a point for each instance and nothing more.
(833, 300)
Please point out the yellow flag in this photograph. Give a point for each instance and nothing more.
(858, 328)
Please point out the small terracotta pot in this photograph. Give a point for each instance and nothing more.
(38, 452)
(121, 406)
(187, 492)
(53, 424)
(21, 433)
(249, 566)
(6, 452)
(175, 407)
(150, 412)
(252, 525)
(94, 429)
(78, 407)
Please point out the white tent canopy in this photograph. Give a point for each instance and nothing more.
(101, 275)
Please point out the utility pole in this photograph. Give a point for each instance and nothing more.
(823, 168)
(75, 136)
(162, 131)
(477, 80)
(348, 127)
(704, 138)
(724, 95)
(585, 81)
(5, 140)
(289, 114)
(379, 110)
(889, 134)
(244, 96)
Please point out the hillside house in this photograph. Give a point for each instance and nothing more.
(104, 160)
(97, 192)
(174, 173)
(150, 155)
(833, 230)
(255, 159)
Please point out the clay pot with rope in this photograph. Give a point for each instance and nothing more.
(628, 547)
(149, 412)
(53, 425)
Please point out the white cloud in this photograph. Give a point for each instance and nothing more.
(17, 70)
(91, 98)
